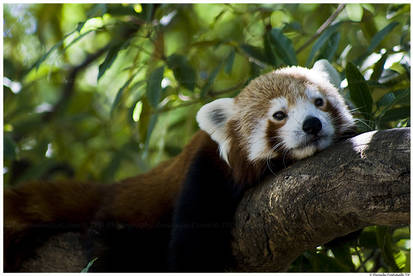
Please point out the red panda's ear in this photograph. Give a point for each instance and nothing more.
(213, 117)
(328, 71)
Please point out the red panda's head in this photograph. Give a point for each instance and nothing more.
(288, 113)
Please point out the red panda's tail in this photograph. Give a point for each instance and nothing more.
(31, 208)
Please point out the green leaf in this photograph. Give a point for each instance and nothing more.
(86, 269)
(147, 12)
(230, 62)
(153, 88)
(152, 122)
(119, 95)
(407, 266)
(402, 233)
(377, 38)
(330, 48)
(110, 58)
(183, 71)
(121, 10)
(384, 239)
(359, 90)
(321, 41)
(397, 67)
(38, 170)
(283, 46)
(396, 114)
(343, 257)
(210, 80)
(354, 12)
(97, 10)
(293, 26)
(271, 56)
(108, 173)
(77, 39)
(378, 68)
(401, 97)
(394, 10)
(254, 52)
(386, 100)
(54, 47)
(9, 148)
(368, 238)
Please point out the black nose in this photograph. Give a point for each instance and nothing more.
(312, 125)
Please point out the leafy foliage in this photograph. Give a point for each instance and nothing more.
(106, 91)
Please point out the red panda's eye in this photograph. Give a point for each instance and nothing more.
(279, 115)
(319, 102)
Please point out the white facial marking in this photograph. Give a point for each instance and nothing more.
(313, 93)
(292, 133)
(258, 144)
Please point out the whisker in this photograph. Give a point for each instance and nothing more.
(365, 123)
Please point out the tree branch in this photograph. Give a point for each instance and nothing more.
(68, 88)
(359, 182)
(323, 27)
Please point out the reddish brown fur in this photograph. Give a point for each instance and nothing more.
(140, 201)
(144, 200)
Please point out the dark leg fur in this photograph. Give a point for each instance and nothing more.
(123, 248)
(202, 223)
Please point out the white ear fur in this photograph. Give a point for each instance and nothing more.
(323, 66)
(212, 119)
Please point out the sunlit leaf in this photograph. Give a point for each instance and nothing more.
(397, 67)
(401, 233)
(354, 12)
(407, 265)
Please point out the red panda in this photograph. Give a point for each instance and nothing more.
(178, 216)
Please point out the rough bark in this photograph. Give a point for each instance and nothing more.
(359, 182)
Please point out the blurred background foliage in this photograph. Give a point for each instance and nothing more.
(106, 91)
